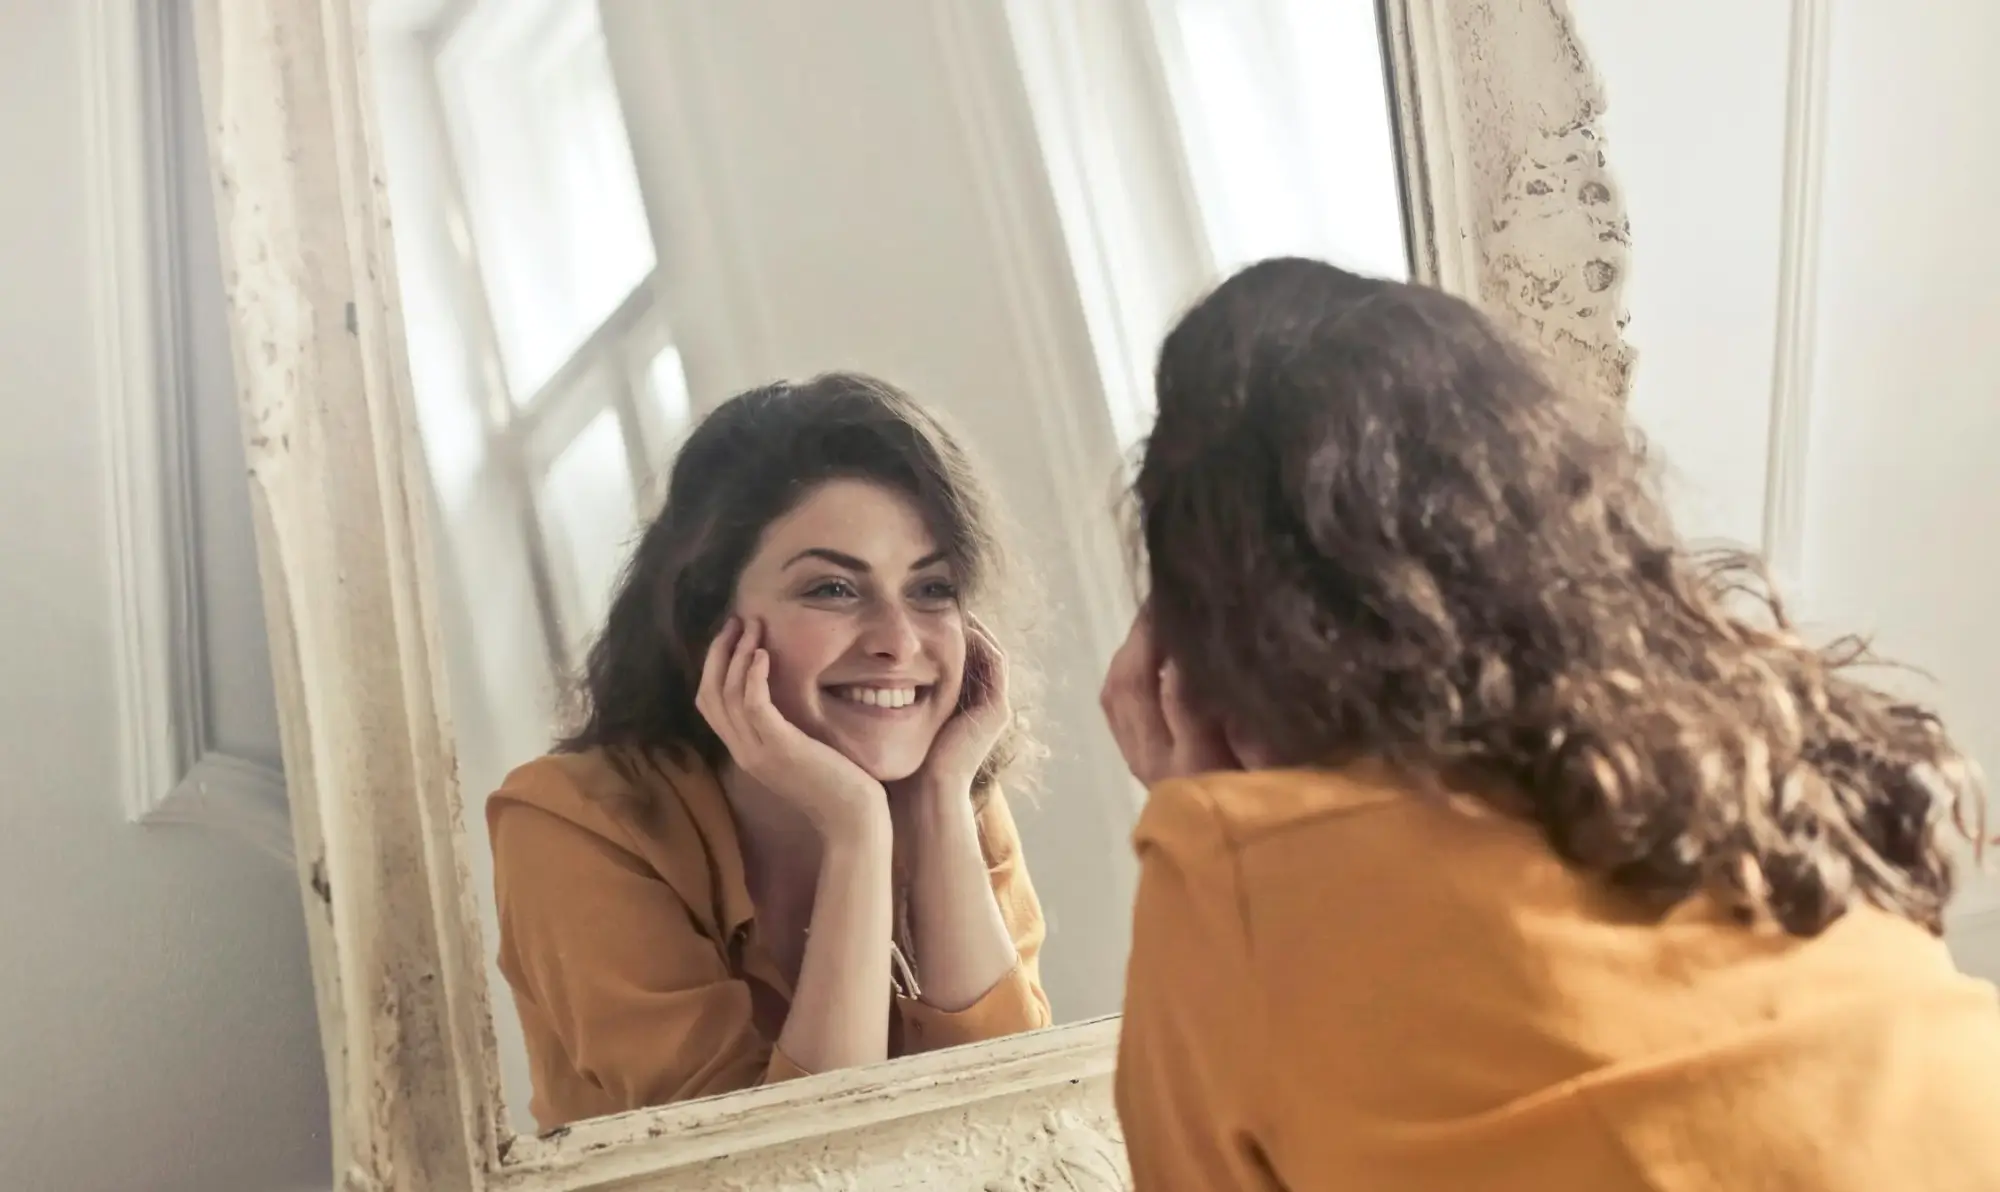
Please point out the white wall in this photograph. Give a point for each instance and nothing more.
(156, 1016)
(1701, 167)
(1897, 495)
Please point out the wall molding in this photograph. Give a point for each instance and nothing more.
(1975, 914)
(139, 400)
(243, 798)
(171, 773)
(1785, 478)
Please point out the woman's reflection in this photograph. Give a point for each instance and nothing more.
(777, 844)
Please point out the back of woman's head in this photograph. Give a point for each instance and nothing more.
(749, 462)
(1373, 527)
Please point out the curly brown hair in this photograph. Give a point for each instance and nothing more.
(1372, 526)
(749, 461)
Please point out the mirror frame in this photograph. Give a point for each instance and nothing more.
(1509, 201)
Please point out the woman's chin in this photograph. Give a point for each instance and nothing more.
(886, 770)
(886, 756)
(886, 763)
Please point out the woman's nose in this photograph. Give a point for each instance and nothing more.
(890, 633)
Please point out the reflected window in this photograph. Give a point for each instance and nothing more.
(540, 144)
(1284, 109)
(1187, 138)
(588, 508)
(548, 383)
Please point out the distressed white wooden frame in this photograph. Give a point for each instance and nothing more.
(1510, 202)
(173, 773)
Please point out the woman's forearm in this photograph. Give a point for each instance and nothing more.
(963, 948)
(840, 1010)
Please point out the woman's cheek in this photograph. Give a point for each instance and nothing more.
(789, 679)
(802, 646)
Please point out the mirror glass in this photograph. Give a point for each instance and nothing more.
(613, 216)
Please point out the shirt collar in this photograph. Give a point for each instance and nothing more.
(701, 835)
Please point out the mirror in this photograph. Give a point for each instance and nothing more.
(612, 216)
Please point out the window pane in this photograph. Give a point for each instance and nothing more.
(667, 413)
(589, 516)
(448, 389)
(1287, 119)
(1246, 172)
(546, 168)
(667, 389)
(1343, 93)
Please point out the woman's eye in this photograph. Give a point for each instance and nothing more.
(831, 589)
(937, 591)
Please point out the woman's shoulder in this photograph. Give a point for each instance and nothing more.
(1231, 809)
(613, 793)
(569, 819)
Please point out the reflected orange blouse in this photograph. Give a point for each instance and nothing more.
(628, 937)
(1337, 983)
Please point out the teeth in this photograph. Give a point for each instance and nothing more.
(880, 697)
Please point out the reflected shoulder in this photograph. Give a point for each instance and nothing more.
(589, 789)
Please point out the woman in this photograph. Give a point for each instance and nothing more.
(777, 844)
(1493, 843)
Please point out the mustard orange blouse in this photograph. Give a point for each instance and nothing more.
(1336, 983)
(628, 937)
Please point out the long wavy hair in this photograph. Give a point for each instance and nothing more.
(1372, 526)
(750, 461)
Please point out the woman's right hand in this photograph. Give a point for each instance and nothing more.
(835, 795)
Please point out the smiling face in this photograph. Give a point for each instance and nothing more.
(862, 621)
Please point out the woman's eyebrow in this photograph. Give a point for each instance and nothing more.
(842, 559)
(837, 558)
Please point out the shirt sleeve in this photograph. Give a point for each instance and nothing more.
(1188, 1053)
(636, 995)
(1017, 1003)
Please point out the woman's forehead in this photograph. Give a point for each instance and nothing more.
(858, 519)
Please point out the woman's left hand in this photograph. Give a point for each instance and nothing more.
(1159, 734)
(968, 737)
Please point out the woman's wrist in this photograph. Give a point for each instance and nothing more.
(861, 825)
(927, 804)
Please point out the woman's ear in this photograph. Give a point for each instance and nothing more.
(1249, 755)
